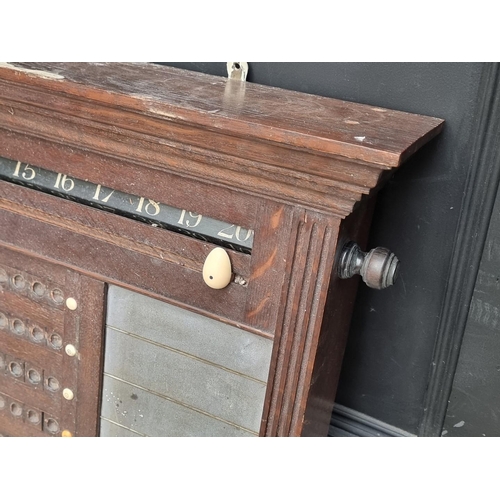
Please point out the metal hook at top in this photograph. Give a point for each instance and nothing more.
(237, 71)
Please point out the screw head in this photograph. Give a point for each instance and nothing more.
(70, 350)
(68, 394)
(71, 303)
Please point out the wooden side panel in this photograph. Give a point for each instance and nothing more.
(332, 340)
(310, 259)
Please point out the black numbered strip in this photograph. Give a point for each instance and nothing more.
(135, 207)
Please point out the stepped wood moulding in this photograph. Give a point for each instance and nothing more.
(171, 248)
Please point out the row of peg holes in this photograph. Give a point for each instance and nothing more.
(16, 369)
(39, 289)
(36, 334)
(33, 416)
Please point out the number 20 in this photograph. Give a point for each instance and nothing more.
(233, 230)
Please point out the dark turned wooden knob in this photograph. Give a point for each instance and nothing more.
(378, 267)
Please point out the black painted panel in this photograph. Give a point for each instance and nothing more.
(386, 369)
(474, 408)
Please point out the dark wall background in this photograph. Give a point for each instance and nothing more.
(390, 363)
(474, 404)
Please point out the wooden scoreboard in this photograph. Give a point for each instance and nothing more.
(175, 248)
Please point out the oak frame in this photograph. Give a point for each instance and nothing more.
(302, 176)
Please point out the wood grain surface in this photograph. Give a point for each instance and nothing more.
(296, 148)
(300, 170)
(246, 109)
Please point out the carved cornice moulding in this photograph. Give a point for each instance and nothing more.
(315, 152)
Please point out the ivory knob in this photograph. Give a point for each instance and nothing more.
(217, 270)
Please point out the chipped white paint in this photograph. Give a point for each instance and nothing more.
(34, 72)
(160, 112)
(460, 424)
(360, 138)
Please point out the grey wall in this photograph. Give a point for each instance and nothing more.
(388, 365)
(474, 408)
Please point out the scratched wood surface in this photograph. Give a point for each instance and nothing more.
(342, 128)
(329, 349)
(301, 149)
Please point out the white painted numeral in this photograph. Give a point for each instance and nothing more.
(152, 208)
(232, 231)
(189, 223)
(64, 182)
(98, 192)
(24, 175)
